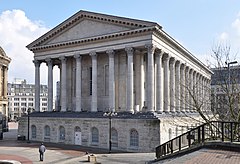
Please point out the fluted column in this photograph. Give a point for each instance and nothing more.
(194, 92)
(93, 54)
(177, 86)
(50, 84)
(159, 106)
(166, 82)
(150, 78)
(111, 80)
(63, 84)
(172, 84)
(190, 90)
(37, 85)
(182, 87)
(186, 89)
(78, 58)
(129, 51)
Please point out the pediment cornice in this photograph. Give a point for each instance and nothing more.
(117, 35)
(81, 15)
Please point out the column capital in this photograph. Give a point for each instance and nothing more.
(93, 54)
(159, 53)
(129, 50)
(166, 57)
(172, 61)
(36, 63)
(49, 61)
(177, 63)
(110, 53)
(63, 59)
(150, 48)
(77, 56)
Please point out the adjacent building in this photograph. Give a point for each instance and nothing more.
(4, 63)
(123, 84)
(21, 96)
(225, 92)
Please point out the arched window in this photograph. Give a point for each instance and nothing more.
(34, 132)
(47, 131)
(114, 138)
(134, 139)
(95, 135)
(61, 133)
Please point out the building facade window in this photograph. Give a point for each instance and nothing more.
(95, 136)
(61, 133)
(47, 131)
(114, 138)
(134, 138)
(34, 132)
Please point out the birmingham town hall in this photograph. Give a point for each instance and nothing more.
(122, 83)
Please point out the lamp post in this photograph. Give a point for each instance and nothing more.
(109, 115)
(229, 77)
(28, 117)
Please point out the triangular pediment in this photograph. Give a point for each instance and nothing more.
(86, 24)
(85, 29)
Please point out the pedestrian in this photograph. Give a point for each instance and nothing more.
(42, 149)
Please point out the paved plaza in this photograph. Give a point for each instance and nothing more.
(27, 153)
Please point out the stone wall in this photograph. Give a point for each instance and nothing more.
(148, 131)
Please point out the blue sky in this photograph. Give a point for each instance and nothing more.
(197, 25)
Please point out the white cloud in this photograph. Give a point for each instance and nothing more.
(224, 36)
(16, 32)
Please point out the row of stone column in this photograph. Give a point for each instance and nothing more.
(178, 79)
(182, 85)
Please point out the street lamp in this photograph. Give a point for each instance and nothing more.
(109, 115)
(28, 115)
(229, 77)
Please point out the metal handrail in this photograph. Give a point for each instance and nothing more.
(211, 131)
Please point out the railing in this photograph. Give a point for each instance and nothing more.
(207, 132)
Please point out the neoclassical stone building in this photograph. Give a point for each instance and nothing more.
(109, 63)
(4, 63)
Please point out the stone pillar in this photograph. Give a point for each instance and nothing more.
(190, 90)
(111, 80)
(5, 82)
(50, 84)
(63, 84)
(177, 86)
(159, 107)
(172, 84)
(166, 82)
(187, 89)
(93, 54)
(150, 78)
(194, 91)
(129, 51)
(78, 58)
(37, 85)
(182, 87)
(139, 82)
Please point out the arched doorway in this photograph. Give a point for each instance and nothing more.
(77, 136)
